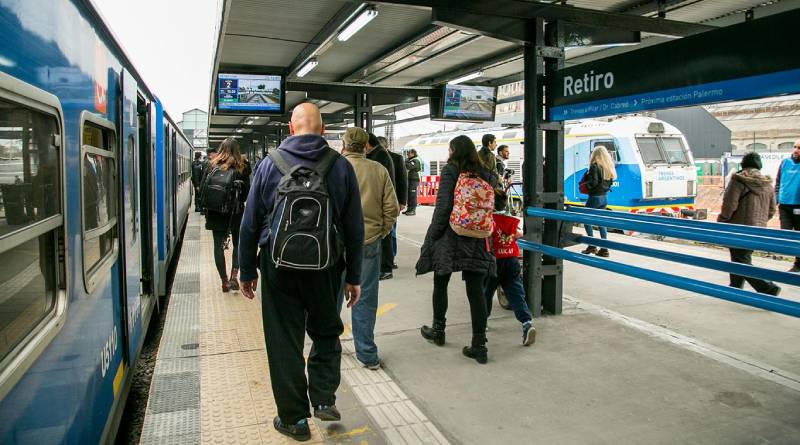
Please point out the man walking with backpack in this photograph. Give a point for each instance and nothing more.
(380, 209)
(304, 213)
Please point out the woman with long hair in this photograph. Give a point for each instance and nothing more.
(445, 252)
(229, 169)
(602, 173)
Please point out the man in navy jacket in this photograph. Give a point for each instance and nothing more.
(296, 301)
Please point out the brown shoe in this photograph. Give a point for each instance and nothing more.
(589, 250)
(226, 286)
(603, 253)
(233, 282)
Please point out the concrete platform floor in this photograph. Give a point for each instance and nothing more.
(628, 362)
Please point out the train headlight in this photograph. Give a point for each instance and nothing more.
(690, 188)
(648, 189)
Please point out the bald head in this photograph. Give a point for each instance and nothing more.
(796, 150)
(306, 119)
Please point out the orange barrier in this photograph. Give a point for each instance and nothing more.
(426, 191)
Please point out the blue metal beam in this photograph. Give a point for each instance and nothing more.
(741, 241)
(753, 299)
(706, 263)
(790, 235)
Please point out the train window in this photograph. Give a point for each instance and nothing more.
(130, 153)
(32, 279)
(648, 147)
(99, 197)
(610, 146)
(674, 151)
(786, 146)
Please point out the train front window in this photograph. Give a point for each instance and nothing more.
(30, 221)
(651, 153)
(673, 148)
(99, 199)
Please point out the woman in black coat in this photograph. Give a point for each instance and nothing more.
(445, 252)
(224, 224)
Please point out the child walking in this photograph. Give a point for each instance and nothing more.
(505, 249)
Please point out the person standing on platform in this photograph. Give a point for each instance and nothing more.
(380, 209)
(597, 182)
(400, 188)
(444, 251)
(197, 178)
(414, 167)
(487, 156)
(223, 193)
(749, 200)
(787, 191)
(296, 301)
(376, 152)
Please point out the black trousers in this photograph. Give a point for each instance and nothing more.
(293, 303)
(789, 221)
(219, 251)
(412, 194)
(196, 197)
(745, 257)
(387, 254)
(477, 303)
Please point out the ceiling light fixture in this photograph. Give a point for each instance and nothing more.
(465, 78)
(361, 21)
(310, 65)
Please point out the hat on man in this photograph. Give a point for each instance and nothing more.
(751, 160)
(355, 137)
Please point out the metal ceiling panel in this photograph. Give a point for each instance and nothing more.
(472, 52)
(258, 51)
(282, 20)
(392, 26)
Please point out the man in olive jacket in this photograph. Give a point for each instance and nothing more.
(378, 153)
(380, 210)
(749, 200)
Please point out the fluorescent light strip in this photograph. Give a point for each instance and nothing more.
(361, 21)
(305, 69)
(470, 76)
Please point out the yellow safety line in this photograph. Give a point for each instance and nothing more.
(352, 433)
(382, 309)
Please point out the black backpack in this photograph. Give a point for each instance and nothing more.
(218, 192)
(303, 233)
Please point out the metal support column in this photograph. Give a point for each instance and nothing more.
(362, 111)
(543, 170)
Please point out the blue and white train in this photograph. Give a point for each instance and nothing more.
(95, 187)
(655, 167)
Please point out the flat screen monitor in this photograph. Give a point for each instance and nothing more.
(469, 103)
(242, 93)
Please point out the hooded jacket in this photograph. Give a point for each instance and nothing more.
(749, 199)
(305, 150)
(444, 251)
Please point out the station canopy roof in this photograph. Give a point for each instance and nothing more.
(403, 47)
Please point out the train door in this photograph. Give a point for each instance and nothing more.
(129, 179)
(174, 181)
(146, 181)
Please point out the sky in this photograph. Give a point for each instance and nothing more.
(171, 44)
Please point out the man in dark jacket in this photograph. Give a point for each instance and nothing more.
(376, 152)
(197, 178)
(749, 200)
(414, 167)
(295, 301)
(400, 188)
(488, 158)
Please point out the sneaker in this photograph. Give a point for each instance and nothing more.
(395, 266)
(528, 334)
(411, 213)
(371, 366)
(233, 284)
(298, 431)
(327, 413)
(386, 276)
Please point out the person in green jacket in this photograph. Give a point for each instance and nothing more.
(414, 167)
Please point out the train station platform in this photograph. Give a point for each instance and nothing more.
(627, 362)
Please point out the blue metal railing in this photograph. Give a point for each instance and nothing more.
(715, 233)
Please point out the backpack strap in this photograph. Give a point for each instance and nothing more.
(326, 163)
(280, 162)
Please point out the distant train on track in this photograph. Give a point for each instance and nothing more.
(655, 167)
(94, 195)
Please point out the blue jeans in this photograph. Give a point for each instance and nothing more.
(364, 312)
(509, 278)
(596, 202)
(394, 240)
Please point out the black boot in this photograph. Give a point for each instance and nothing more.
(478, 349)
(434, 333)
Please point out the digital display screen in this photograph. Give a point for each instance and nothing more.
(469, 102)
(250, 93)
